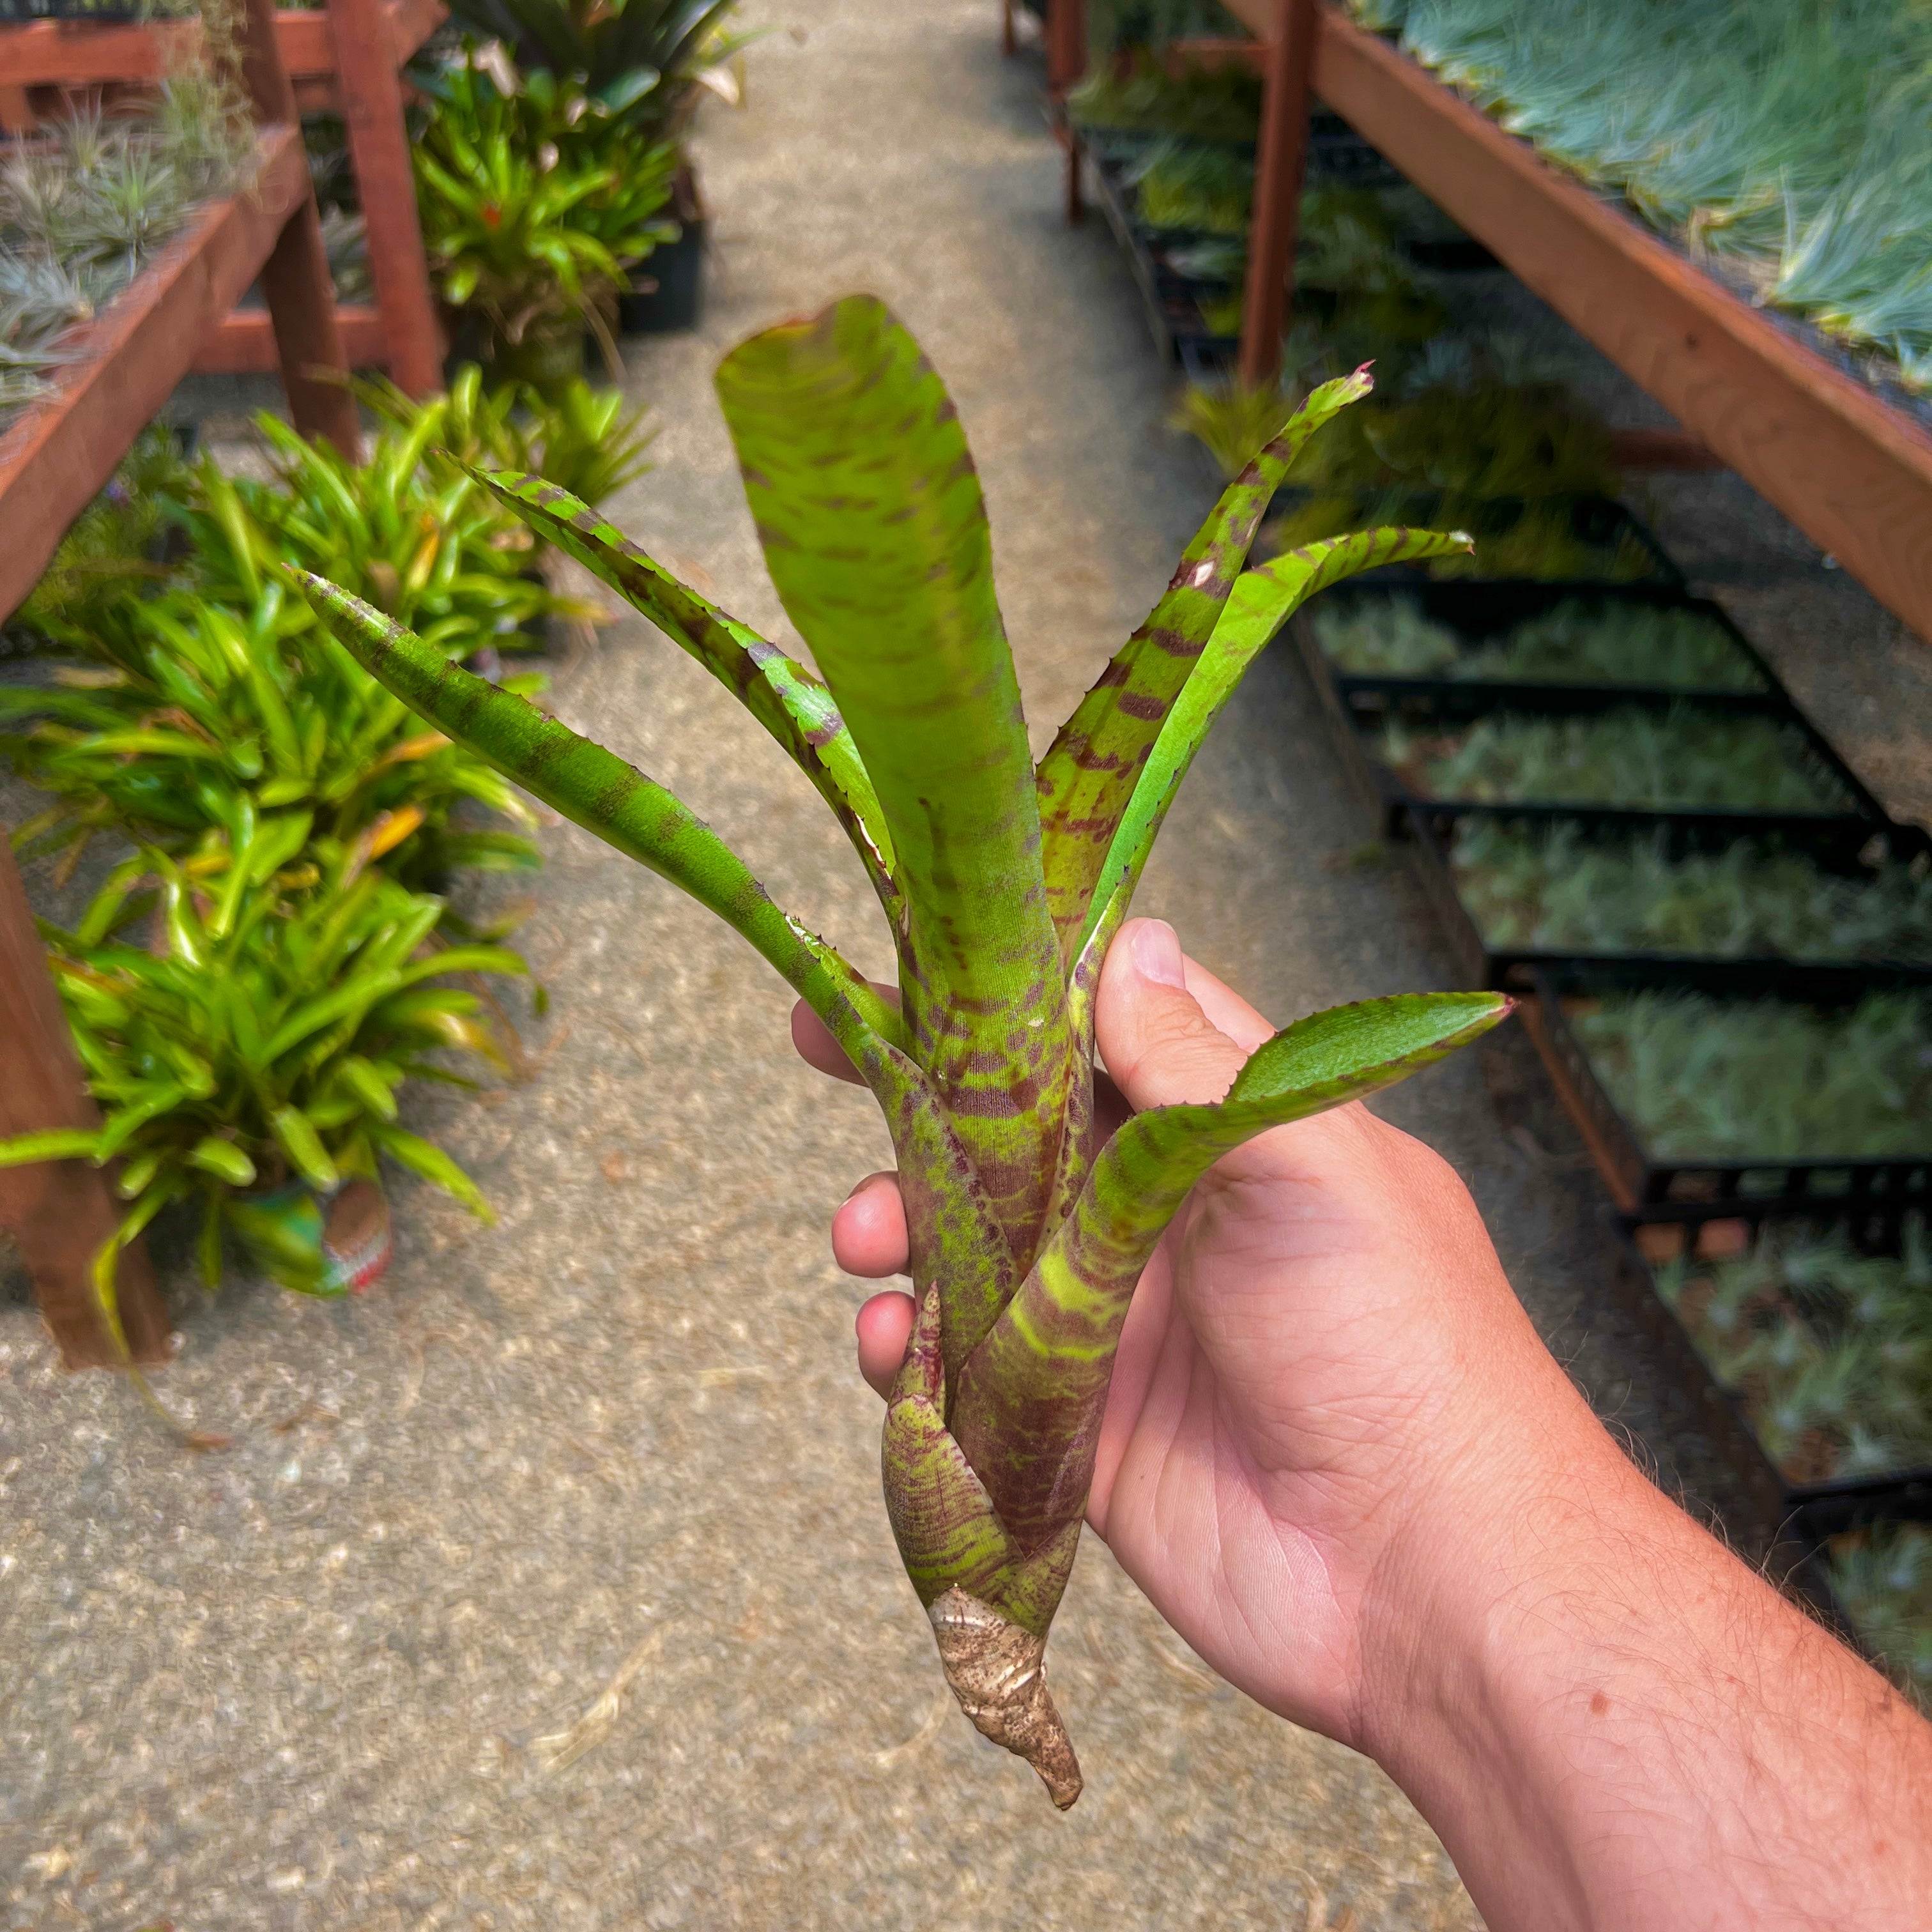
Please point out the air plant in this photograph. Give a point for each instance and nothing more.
(1882, 1577)
(1574, 642)
(1554, 889)
(1828, 1348)
(1699, 1079)
(1002, 887)
(1629, 758)
(84, 208)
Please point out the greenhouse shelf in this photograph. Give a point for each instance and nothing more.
(1355, 708)
(1853, 473)
(1481, 963)
(1787, 1510)
(125, 364)
(342, 58)
(53, 459)
(1649, 1187)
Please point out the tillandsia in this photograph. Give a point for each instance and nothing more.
(1002, 886)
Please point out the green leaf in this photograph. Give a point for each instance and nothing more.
(597, 790)
(1038, 1383)
(784, 697)
(422, 1157)
(52, 1143)
(869, 511)
(1261, 602)
(1090, 769)
(224, 1159)
(303, 1147)
(368, 1085)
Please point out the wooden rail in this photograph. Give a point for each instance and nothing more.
(1854, 475)
(52, 460)
(342, 58)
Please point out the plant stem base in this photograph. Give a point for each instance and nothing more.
(997, 1671)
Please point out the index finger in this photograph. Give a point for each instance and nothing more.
(817, 1048)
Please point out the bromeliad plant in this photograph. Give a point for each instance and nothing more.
(1002, 887)
(244, 1018)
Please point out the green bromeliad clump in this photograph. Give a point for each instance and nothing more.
(1707, 1079)
(1830, 1350)
(1001, 884)
(1555, 890)
(1632, 757)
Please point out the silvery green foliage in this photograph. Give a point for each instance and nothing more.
(1700, 1078)
(1830, 1349)
(1554, 889)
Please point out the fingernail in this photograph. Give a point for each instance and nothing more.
(1157, 953)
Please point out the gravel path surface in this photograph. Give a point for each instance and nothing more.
(614, 1446)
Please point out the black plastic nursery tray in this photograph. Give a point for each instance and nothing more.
(1648, 1187)
(1479, 609)
(1355, 709)
(1846, 848)
(1788, 1511)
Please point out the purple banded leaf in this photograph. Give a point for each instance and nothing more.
(784, 697)
(1261, 602)
(870, 512)
(1030, 1400)
(597, 790)
(1090, 770)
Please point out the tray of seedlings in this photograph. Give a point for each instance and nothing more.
(1816, 915)
(1494, 725)
(1873, 1586)
(1804, 1345)
(1693, 1103)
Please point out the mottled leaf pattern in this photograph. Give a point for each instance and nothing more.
(1090, 770)
(1003, 887)
(870, 513)
(1029, 1403)
(597, 790)
(784, 697)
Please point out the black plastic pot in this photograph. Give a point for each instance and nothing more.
(1649, 1187)
(1787, 1511)
(547, 357)
(668, 291)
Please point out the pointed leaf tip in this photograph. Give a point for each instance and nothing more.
(1405, 1031)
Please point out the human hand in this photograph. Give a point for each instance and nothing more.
(1324, 1373)
(1339, 1461)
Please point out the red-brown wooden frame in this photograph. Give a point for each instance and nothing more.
(1854, 475)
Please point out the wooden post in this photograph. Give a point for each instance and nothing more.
(372, 106)
(295, 278)
(1065, 44)
(1277, 211)
(61, 1212)
(1009, 39)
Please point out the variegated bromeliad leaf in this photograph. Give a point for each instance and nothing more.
(1003, 885)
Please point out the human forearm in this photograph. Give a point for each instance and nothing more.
(1611, 1722)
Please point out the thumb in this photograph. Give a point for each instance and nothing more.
(1159, 1046)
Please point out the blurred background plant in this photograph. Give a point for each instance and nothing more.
(538, 204)
(244, 1017)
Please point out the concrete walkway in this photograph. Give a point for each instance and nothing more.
(615, 1445)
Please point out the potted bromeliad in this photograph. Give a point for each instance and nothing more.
(643, 64)
(1002, 886)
